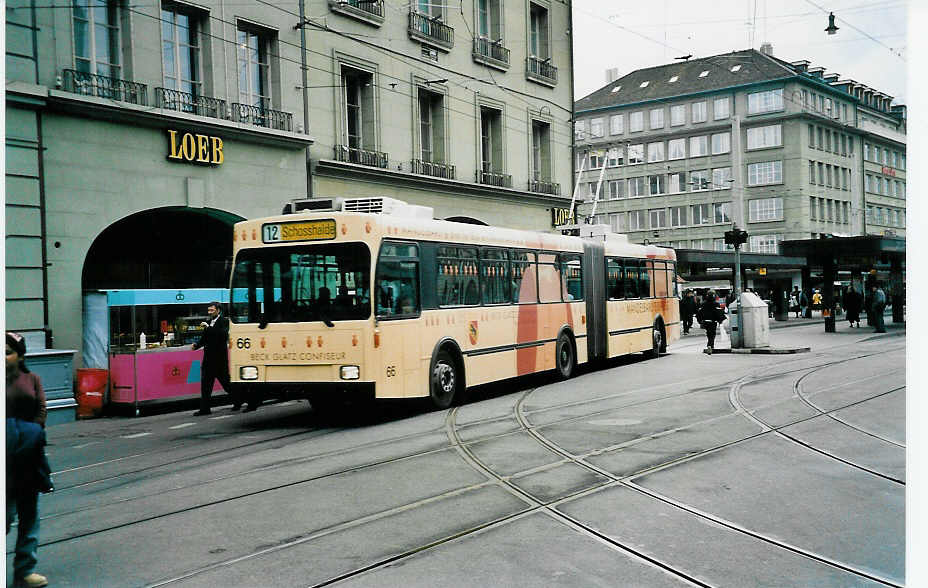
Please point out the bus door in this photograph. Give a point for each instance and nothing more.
(398, 306)
(594, 266)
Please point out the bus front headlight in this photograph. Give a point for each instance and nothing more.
(248, 372)
(350, 372)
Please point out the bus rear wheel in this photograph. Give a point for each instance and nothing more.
(566, 361)
(444, 381)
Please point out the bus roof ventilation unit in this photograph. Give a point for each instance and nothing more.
(312, 205)
(388, 206)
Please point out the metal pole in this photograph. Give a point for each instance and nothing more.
(305, 88)
(738, 296)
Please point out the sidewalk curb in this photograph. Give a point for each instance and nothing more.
(765, 351)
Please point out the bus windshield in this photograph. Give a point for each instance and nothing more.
(322, 282)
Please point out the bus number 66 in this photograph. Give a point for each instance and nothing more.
(243, 343)
(391, 371)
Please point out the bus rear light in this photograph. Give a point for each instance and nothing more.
(354, 340)
(344, 229)
(583, 319)
(350, 372)
(248, 372)
(376, 339)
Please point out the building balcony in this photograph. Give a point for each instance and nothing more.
(431, 168)
(262, 117)
(494, 179)
(190, 103)
(431, 31)
(88, 84)
(491, 53)
(361, 156)
(544, 187)
(370, 11)
(541, 71)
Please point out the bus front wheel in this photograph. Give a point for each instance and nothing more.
(657, 341)
(566, 361)
(444, 381)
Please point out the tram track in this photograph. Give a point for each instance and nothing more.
(463, 448)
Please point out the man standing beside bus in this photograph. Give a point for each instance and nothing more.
(215, 365)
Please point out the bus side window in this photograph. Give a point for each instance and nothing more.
(631, 278)
(644, 280)
(494, 276)
(614, 279)
(397, 287)
(524, 286)
(549, 278)
(572, 272)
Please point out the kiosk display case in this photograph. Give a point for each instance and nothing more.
(150, 334)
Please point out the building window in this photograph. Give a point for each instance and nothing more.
(678, 115)
(491, 140)
(636, 121)
(843, 144)
(489, 20)
(597, 158)
(821, 174)
(657, 118)
(580, 130)
(636, 187)
(765, 209)
(180, 49)
(721, 212)
(617, 222)
(894, 158)
(721, 143)
(657, 185)
(616, 189)
(96, 37)
(812, 215)
(812, 172)
(541, 151)
(538, 41)
(769, 101)
(614, 157)
(596, 128)
(829, 204)
(885, 190)
(811, 137)
(678, 216)
(699, 180)
(827, 140)
(359, 108)
(867, 183)
(885, 156)
(699, 146)
(655, 152)
(635, 154)
(721, 108)
(764, 243)
(432, 127)
(769, 136)
(866, 151)
(720, 245)
(637, 220)
(658, 218)
(828, 176)
(766, 172)
(677, 182)
(699, 112)
(721, 178)
(821, 134)
(616, 124)
(702, 214)
(254, 67)
(676, 149)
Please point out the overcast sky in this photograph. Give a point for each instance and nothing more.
(633, 35)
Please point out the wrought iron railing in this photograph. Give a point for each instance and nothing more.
(262, 117)
(543, 187)
(429, 28)
(89, 84)
(431, 168)
(491, 50)
(541, 69)
(372, 7)
(361, 156)
(494, 179)
(191, 103)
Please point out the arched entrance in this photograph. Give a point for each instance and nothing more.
(162, 248)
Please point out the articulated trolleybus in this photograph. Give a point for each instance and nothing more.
(372, 298)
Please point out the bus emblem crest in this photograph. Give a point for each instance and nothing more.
(472, 331)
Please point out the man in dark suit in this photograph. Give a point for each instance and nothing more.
(215, 365)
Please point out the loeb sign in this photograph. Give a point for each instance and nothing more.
(195, 148)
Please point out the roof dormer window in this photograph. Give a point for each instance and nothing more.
(704, 73)
(644, 84)
(735, 68)
(673, 79)
(616, 89)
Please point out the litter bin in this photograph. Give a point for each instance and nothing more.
(91, 386)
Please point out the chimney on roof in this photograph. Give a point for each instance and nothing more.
(766, 48)
(612, 74)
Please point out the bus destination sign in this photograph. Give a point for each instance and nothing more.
(315, 230)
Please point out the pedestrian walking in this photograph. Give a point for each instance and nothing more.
(816, 300)
(215, 365)
(27, 471)
(687, 310)
(879, 305)
(804, 304)
(794, 300)
(710, 315)
(853, 301)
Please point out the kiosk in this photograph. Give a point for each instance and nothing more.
(149, 333)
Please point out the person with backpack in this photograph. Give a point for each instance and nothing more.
(710, 315)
